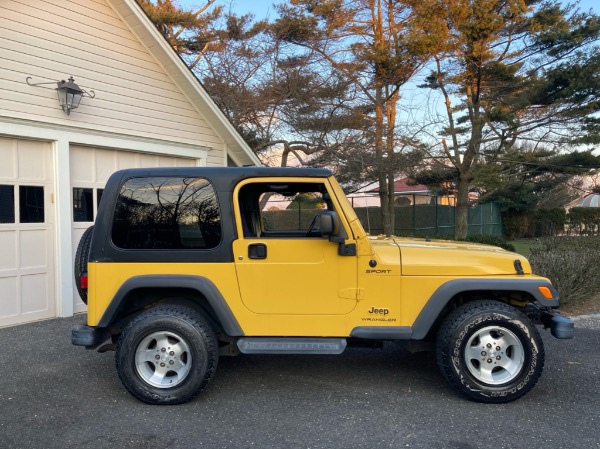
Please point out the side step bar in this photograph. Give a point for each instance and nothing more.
(276, 345)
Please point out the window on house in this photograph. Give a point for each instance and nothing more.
(7, 204)
(83, 204)
(31, 204)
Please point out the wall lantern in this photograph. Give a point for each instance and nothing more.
(69, 93)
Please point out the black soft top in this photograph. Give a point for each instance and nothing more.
(222, 175)
(223, 179)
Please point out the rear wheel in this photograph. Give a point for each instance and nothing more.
(167, 355)
(490, 352)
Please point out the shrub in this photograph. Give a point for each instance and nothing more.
(515, 225)
(571, 263)
(548, 222)
(585, 220)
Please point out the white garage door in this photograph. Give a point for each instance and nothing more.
(26, 232)
(90, 169)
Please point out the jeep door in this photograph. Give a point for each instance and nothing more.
(285, 266)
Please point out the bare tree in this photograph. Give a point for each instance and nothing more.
(368, 44)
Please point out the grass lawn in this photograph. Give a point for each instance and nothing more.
(523, 246)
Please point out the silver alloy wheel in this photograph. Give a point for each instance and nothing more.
(163, 359)
(494, 355)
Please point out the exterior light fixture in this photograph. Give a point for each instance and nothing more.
(69, 93)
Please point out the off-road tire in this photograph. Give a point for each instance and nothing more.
(82, 256)
(489, 352)
(180, 331)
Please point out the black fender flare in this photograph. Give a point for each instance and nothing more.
(448, 290)
(198, 283)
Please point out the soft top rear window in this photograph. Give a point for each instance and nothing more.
(167, 213)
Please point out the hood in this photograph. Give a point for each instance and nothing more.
(420, 257)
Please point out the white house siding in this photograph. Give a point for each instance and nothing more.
(54, 39)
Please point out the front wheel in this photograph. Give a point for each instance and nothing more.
(490, 352)
(167, 355)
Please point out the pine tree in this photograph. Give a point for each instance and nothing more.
(512, 74)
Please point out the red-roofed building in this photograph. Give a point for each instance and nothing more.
(405, 193)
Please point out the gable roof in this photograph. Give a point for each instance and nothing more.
(142, 27)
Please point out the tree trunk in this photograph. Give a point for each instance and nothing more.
(384, 195)
(461, 217)
(392, 100)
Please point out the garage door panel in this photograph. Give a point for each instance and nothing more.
(126, 160)
(105, 164)
(32, 244)
(8, 243)
(82, 163)
(7, 156)
(31, 163)
(9, 304)
(148, 160)
(35, 293)
(164, 161)
(185, 162)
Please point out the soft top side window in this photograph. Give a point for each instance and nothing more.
(167, 213)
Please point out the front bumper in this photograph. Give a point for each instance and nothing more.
(561, 326)
(82, 335)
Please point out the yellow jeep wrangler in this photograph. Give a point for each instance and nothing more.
(185, 265)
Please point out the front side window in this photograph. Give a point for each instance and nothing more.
(167, 213)
(282, 209)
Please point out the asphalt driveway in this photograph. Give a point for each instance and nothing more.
(54, 395)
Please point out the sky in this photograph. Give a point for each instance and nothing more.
(260, 8)
(264, 8)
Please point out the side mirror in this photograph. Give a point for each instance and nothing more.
(329, 224)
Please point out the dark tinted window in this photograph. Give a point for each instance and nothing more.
(31, 204)
(167, 213)
(83, 204)
(7, 204)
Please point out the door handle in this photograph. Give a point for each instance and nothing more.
(257, 251)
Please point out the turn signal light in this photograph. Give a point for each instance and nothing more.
(543, 290)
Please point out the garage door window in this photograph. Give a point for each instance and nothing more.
(83, 204)
(84, 209)
(167, 213)
(31, 204)
(7, 204)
